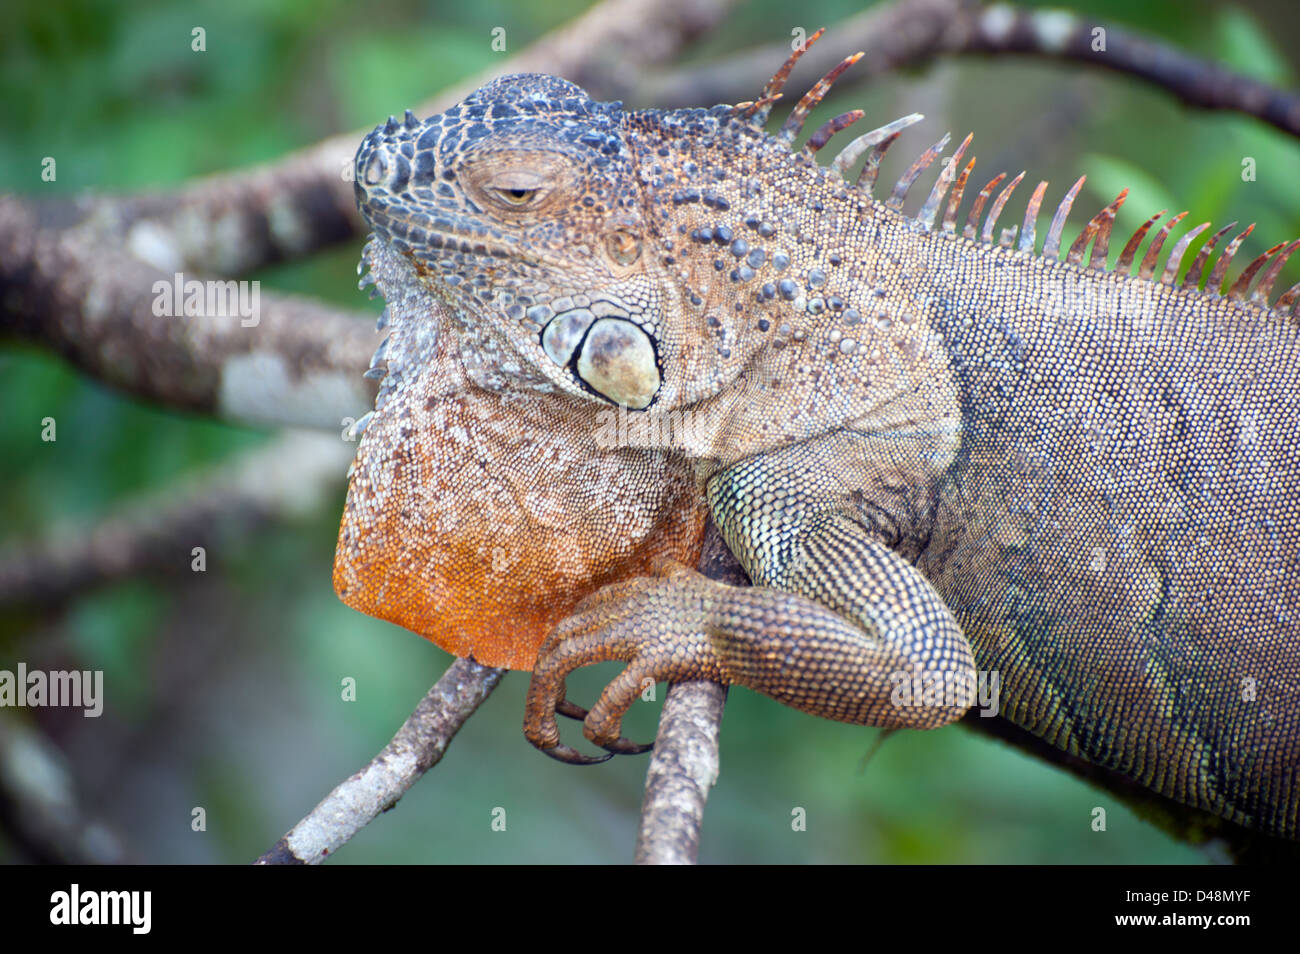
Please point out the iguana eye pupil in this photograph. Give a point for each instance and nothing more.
(517, 196)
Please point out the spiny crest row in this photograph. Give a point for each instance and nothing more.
(877, 142)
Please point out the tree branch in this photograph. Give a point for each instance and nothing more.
(683, 767)
(892, 35)
(1061, 35)
(38, 804)
(291, 361)
(232, 223)
(79, 276)
(418, 746)
(908, 33)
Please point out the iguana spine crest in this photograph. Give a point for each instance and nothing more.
(1097, 231)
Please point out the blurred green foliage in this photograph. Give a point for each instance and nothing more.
(224, 687)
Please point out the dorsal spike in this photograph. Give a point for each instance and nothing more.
(1197, 271)
(931, 206)
(746, 110)
(871, 168)
(1214, 284)
(790, 128)
(1148, 266)
(954, 201)
(756, 113)
(1027, 236)
(996, 208)
(1239, 287)
(882, 138)
(390, 127)
(1170, 274)
(1098, 230)
(409, 121)
(1125, 263)
(899, 195)
(1074, 254)
(973, 216)
(1290, 297)
(1052, 247)
(828, 129)
(1261, 293)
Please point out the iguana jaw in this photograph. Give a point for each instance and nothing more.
(477, 517)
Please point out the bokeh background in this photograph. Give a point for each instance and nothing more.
(223, 688)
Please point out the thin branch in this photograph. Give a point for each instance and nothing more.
(892, 35)
(683, 768)
(418, 745)
(290, 474)
(909, 33)
(685, 762)
(1058, 34)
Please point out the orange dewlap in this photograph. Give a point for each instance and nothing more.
(479, 519)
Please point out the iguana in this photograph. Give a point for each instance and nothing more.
(936, 450)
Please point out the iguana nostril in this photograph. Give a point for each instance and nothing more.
(376, 168)
(618, 361)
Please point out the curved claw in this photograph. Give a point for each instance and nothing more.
(565, 753)
(570, 710)
(622, 746)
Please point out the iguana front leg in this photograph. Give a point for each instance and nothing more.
(835, 622)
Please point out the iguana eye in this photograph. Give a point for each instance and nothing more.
(516, 196)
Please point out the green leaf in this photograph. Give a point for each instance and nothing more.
(1244, 46)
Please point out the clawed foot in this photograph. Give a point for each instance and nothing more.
(566, 753)
(637, 622)
(619, 746)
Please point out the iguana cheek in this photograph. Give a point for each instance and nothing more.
(618, 361)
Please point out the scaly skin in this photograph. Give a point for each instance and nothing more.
(931, 454)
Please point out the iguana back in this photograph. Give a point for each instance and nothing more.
(1119, 533)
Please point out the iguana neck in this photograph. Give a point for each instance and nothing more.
(801, 293)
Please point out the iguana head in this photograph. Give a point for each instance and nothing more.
(628, 257)
(520, 208)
